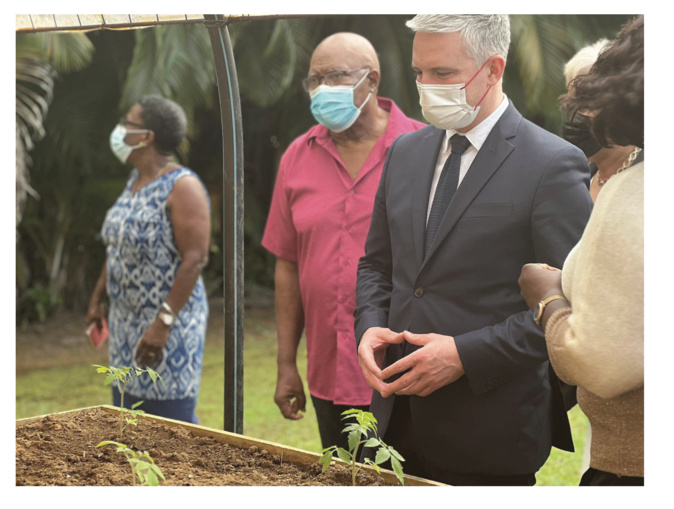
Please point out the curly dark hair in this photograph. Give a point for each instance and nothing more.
(167, 119)
(613, 90)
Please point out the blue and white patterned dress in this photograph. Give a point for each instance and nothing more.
(142, 261)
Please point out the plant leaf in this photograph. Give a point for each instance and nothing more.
(350, 412)
(372, 442)
(151, 478)
(398, 469)
(368, 461)
(111, 442)
(135, 405)
(157, 470)
(382, 456)
(326, 459)
(344, 455)
(354, 438)
(395, 453)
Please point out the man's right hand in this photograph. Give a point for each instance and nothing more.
(372, 352)
(289, 396)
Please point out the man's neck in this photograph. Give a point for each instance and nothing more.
(489, 105)
(370, 125)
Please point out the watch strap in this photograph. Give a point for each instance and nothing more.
(168, 309)
(166, 315)
(543, 304)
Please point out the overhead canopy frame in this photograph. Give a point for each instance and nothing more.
(85, 22)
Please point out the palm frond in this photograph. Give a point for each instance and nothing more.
(173, 61)
(65, 52)
(34, 92)
(266, 60)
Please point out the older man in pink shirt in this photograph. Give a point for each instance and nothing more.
(317, 225)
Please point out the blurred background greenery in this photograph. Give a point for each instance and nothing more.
(73, 87)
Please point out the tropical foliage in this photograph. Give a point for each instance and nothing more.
(38, 58)
(67, 118)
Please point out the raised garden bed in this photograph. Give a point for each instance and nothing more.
(60, 450)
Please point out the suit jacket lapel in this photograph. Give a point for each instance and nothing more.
(494, 151)
(427, 159)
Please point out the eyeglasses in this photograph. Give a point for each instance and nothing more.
(123, 121)
(332, 79)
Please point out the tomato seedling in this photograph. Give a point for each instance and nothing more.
(142, 465)
(364, 427)
(122, 376)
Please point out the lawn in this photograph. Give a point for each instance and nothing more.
(42, 391)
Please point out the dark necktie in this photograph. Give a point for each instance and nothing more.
(447, 184)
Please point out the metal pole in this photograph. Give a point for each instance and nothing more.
(232, 220)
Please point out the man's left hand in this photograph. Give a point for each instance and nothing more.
(434, 365)
(150, 348)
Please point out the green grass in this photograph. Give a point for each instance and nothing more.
(45, 391)
(565, 468)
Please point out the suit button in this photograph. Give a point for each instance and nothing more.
(419, 292)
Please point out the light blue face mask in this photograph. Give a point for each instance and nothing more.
(333, 107)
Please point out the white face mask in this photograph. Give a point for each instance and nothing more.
(117, 144)
(445, 106)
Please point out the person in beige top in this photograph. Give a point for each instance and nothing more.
(593, 310)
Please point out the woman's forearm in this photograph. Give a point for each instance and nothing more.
(99, 293)
(95, 311)
(185, 280)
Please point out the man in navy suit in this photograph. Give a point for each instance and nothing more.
(463, 385)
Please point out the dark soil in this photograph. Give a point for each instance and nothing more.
(60, 450)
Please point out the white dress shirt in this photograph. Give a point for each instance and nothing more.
(477, 136)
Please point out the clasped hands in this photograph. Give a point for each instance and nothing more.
(434, 365)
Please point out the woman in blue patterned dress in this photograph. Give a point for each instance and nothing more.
(157, 236)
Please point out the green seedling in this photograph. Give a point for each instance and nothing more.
(142, 465)
(122, 376)
(365, 425)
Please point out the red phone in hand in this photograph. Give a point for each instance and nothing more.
(96, 335)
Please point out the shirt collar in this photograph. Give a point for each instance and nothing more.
(478, 134)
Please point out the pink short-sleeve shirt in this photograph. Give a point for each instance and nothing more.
(319, 218)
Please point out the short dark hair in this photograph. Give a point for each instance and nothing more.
(613, 90)
(167, 119)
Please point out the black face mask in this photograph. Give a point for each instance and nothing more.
(576, 131)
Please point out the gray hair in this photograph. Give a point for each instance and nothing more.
(167, 119)
(485, 35)
(582, 61)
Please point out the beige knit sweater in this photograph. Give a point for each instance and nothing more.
(598, 343)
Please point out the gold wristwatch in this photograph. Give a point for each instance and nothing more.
(540, 309)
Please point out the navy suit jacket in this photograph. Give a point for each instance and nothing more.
(524, 199)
